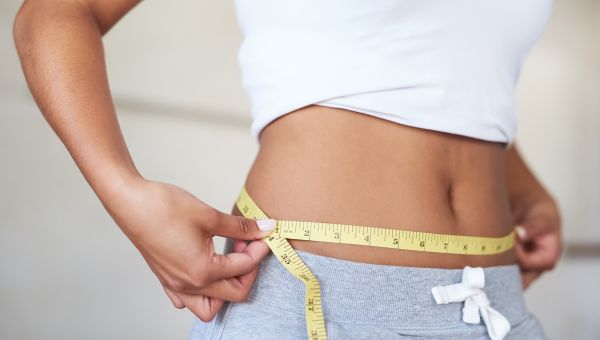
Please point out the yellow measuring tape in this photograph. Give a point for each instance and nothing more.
(360, 235)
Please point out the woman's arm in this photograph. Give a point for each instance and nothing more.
(59, 44)
(60, 47)
(537, 217)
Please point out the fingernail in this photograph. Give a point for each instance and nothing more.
(266, 224)
(521, 232)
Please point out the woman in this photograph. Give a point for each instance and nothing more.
(399, 113)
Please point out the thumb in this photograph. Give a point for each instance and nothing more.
(532, 227)
(240, 227)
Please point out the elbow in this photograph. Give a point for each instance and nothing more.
(20, 25)
(23, 26)
(36, 17)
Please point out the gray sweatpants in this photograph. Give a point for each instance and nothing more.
(366, 301)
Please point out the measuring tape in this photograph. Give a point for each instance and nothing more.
(360, 235)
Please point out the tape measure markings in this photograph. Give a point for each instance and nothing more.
(394, 238)
(349, 234)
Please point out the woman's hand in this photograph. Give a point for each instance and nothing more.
(539, 243)
(173, 231)
(61, 51)
(536, 218)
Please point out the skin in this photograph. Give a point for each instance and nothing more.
(535, 210)
(414, 178)
(333, 165)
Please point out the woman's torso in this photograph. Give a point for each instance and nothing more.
(422, 66)
(332, 165)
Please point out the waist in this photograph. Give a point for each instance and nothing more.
(337, 166)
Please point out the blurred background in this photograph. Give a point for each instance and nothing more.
(67, 271)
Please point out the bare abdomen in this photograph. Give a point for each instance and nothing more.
(332, 165)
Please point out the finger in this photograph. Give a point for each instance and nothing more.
(528, 277)
(541, 254)
(204, 307)
(174, 299)
(235, 289)
(524, 257)
(521, 255)
(177, 303)
(542, 219)
(239, 246)
(235, 264)
(239, 227)
(521, 233)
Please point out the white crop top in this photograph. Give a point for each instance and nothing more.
(449, 66)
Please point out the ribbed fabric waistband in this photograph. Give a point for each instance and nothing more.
(391, 296)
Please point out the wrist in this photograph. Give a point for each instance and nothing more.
(116, 183)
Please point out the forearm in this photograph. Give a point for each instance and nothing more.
(523, 187)
(60, 47)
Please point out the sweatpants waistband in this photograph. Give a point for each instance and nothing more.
(391, 296)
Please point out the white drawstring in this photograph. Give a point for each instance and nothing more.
(477, 306)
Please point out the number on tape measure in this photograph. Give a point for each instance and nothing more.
(358, 235)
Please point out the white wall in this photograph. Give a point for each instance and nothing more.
(559, 102)
(67, 272)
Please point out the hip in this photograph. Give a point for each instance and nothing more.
(367, 301)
